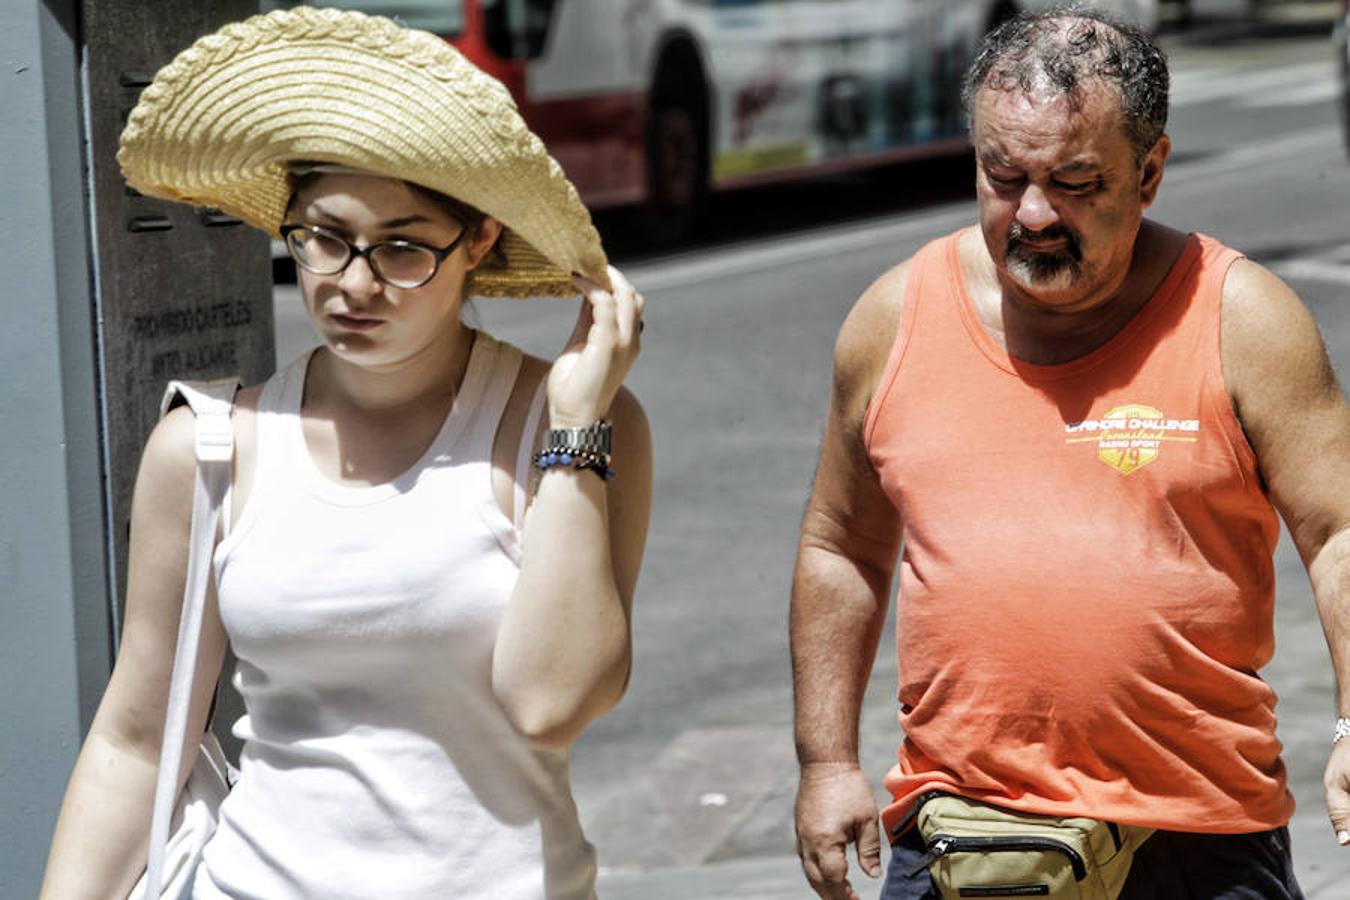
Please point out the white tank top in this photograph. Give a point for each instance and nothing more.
(377, 761)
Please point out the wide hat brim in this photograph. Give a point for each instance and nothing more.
(223, 123)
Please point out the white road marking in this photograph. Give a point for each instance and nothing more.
(1210, 84)
(1331, 265)
(1314, 270)
(1322, 91)
(1323, 138)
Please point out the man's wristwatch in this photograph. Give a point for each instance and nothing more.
(1342, 730)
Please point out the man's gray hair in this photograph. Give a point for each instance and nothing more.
(1066, 47)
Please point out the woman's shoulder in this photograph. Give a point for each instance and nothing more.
(170, 451)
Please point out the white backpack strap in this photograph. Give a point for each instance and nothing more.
(211, 402)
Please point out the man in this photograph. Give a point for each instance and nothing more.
(1079, 424)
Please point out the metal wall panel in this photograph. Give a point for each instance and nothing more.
(182, 293)
(54, 646)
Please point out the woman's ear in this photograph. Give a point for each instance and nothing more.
(483, 242)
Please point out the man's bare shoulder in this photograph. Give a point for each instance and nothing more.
(1254, 295)
(1269, 337)
(869, 330)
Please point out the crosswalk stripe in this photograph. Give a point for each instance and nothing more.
(1313, 270)
(1324, 138)
(1198, 86)
(1305, 95)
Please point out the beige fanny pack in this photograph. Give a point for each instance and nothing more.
(978, 850)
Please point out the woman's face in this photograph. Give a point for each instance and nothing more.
(360, 318)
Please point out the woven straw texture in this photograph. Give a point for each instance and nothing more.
(221, 123)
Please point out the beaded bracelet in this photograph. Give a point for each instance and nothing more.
(551, 457)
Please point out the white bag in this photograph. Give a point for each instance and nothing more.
(194, 821)
(181, 826)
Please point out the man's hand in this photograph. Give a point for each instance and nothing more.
(835, 808)
(1337, 784)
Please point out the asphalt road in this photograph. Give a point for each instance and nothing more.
(686, 787)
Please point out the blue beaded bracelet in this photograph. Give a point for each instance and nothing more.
(548, 459)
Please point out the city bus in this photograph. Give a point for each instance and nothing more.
(655, 103)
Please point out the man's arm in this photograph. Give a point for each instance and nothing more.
(1296, 419)
(850, 537)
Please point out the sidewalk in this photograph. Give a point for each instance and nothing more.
(710, 818)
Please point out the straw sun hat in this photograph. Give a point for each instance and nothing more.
(222, 125)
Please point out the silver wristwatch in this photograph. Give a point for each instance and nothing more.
(1342, 730)
(593, 440)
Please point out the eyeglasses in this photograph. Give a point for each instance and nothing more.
(400, 264)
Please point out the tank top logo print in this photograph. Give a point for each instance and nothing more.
(1130, 437)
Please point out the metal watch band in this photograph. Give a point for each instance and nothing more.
(593, 439)
(1342, 730)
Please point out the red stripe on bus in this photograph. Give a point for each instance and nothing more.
(598, 140)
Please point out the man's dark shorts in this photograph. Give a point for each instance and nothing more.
(1171, 865)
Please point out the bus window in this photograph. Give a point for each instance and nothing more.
(517, 29)
(443, 17)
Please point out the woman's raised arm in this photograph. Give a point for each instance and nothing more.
(563, 653)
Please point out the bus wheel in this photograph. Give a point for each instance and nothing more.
(677, 181)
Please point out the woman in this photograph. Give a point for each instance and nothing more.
(415, 655)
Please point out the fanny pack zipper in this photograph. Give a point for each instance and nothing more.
(942, 844)
(903, 825)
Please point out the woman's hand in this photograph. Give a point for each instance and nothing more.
(598, 355)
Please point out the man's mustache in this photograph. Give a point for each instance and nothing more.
(1019, 235)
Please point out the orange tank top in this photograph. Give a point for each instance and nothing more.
(1086, 585)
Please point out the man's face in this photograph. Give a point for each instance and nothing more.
(1061, 198)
